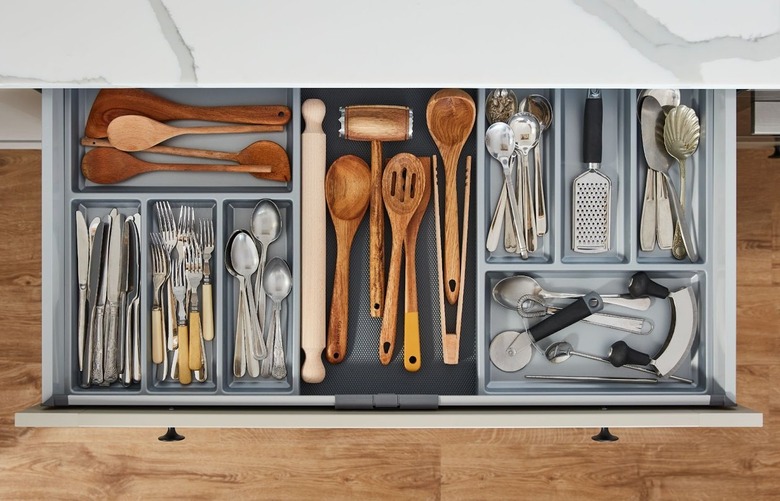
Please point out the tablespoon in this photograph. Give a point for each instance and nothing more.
(541, 108)
(277, 283)
(242, 338)
(266, 228)
(244, 258)
(500, 143)
(527, 132)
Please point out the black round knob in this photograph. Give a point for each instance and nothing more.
(641, 285)
(621, 354)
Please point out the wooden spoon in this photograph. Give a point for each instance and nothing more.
(403, 185)
(412, 358)
(257, 153)
(136, 133)
(451, 114)
(347, 192)
(108, 166)
(112, 103)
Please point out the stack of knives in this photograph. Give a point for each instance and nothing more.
(108, 254)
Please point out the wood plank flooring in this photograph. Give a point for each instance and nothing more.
(406, 464)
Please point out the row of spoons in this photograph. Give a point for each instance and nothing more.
(255, 353)
(522, 209)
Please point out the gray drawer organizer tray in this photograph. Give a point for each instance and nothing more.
(229, 200)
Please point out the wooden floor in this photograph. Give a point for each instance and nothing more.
(424, 464)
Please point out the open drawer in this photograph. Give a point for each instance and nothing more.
(359, 391)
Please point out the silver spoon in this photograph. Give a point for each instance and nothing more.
(561, 351)
(266, 227)
(681, 138)
(277, 283)
(508, 291)
(541, 108)
(500, 105)
(244, 258)
(527, 131)
(500, 143)
(240, 358)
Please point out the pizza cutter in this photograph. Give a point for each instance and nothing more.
(510, 351)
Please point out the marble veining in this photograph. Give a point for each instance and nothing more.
(561, 43)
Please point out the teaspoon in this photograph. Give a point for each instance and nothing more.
(277, 283)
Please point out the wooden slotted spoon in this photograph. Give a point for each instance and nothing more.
(403, 185)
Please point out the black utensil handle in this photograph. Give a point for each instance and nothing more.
(641, 285)
(594, 117)
(581, 308)
(621, 354)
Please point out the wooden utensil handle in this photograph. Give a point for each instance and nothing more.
(157, 336)
(185, 376)
(253, 169)
(376, 234)
(389, 321)
(339, 308)
(451, 346)
(451, 232)
(167, 150)
(207, 313)
(254, 114)
(313, 262)
(196, 362)
(412, 355)
(231, 129)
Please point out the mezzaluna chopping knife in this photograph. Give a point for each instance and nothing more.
(82, 257)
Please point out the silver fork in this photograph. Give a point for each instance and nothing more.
(179, 283)
(206, 237)
(160, 271)
(194, 269)
(168, 236)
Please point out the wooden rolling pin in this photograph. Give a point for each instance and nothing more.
(313, 263)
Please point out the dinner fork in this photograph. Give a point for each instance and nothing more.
(168, 237)
(159, 275)
(179, 283)
(206, 237)
(194, 269)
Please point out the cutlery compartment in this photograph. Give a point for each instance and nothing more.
(616, 164)
(494, 180)
(237, 215)
(361, 372)
(700, 173)
(77, 105)
(596, 340)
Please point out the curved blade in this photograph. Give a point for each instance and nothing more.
(685, 323)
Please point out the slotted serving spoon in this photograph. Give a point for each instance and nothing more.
(403, 185)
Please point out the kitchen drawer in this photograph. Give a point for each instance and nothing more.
(473, 393)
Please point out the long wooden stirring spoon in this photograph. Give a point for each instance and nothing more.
(347, 192)
(108, 166)
(136, 132)
(412, 352)
(257, 153)
(403, 184)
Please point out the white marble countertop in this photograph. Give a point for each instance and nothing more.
(399, 43)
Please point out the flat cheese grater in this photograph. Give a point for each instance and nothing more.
(591, 207)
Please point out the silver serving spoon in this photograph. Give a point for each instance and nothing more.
(541, 108)
(500, 105)
(508, 291)
(240, 359)
(266, 227)
(527, 132)
(651, 114)
(244, 259)
(561, 351)
(277, 283)
(500, 143)
(681, 138)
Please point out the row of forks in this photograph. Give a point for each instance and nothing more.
(181, 254)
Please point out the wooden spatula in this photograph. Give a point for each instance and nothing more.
(112, 103)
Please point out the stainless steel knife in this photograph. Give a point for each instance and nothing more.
(93, 287)
(100, 305)
(82, 257)
(125, 340)
(135, 282)
(114, 285)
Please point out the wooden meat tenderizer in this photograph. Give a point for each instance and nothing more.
(376, 123)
